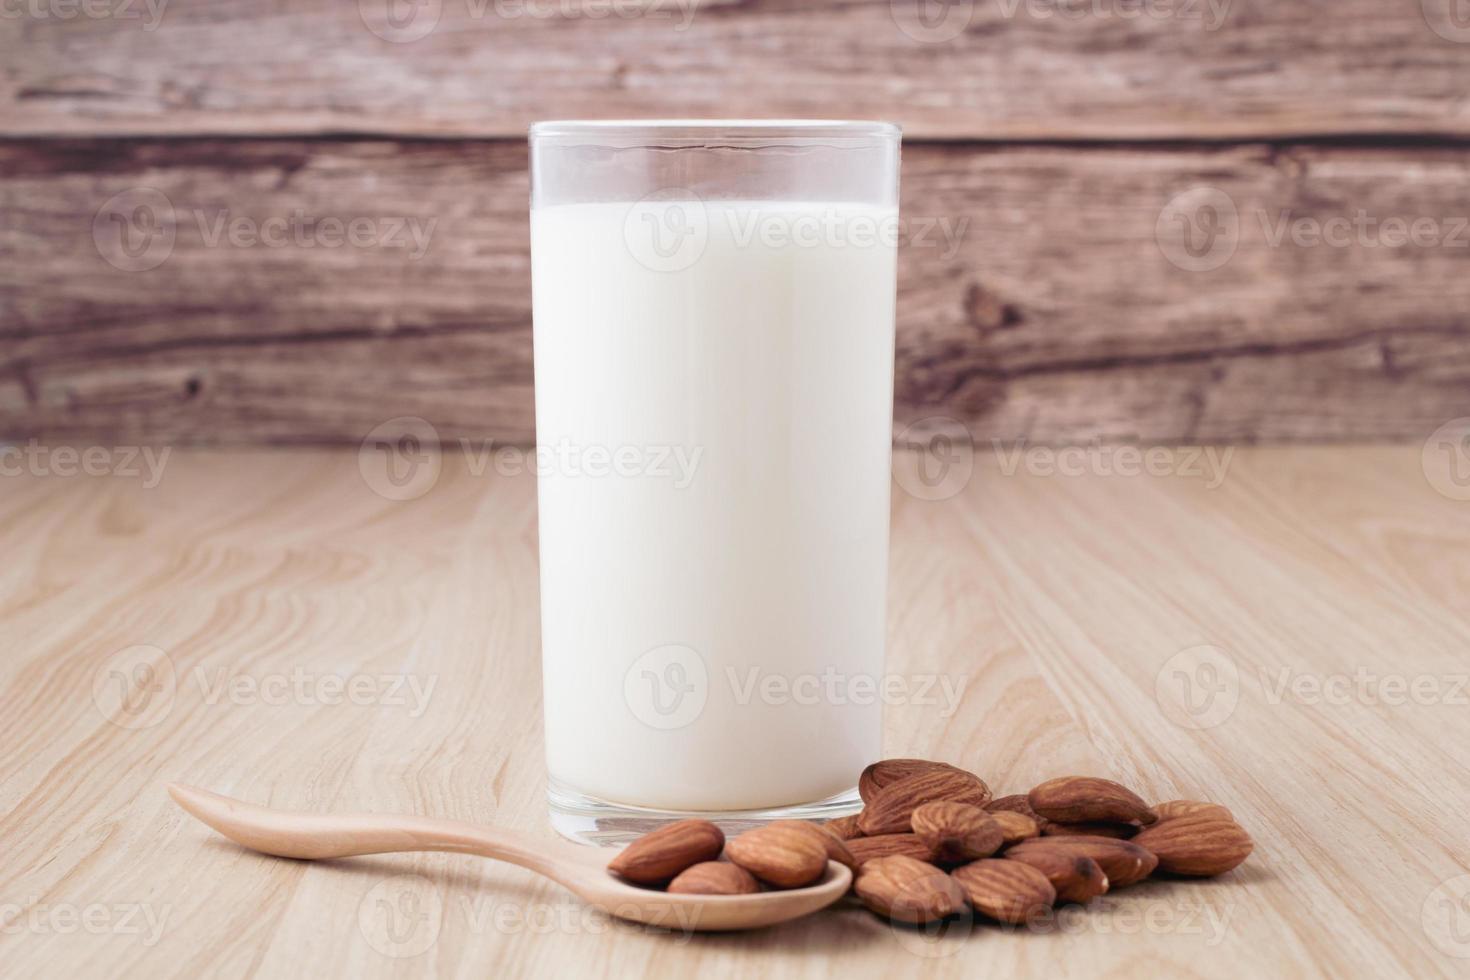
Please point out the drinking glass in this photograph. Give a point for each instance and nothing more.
(714, 334)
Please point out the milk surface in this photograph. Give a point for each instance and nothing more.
(714, 427)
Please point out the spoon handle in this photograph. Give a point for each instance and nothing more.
(314, 836)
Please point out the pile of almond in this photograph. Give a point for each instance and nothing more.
(931, 839)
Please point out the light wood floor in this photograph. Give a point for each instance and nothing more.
(1154, 629)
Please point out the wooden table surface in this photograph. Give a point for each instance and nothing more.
(1288, 639)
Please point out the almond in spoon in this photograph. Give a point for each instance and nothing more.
(714, 878)
(656, 857)
(781, 856)
(835, 847)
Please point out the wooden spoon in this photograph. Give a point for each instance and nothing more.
(581, 870)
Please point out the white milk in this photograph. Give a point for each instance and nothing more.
(715, 435)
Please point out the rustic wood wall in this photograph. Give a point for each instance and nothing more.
(1117, 207)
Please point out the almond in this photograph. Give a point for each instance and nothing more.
(890, 809)
(658, 856)
(880, 774)
(781, 856)
(865, 849)
(846, 828)
(835, 847)
(1085, 799)
(906, 890)
(958, 832)
(1124, 862)
(1014, 827)
(1007, 891)
(1076, 877)
(1120, 831)
(1183, 808)
(1018, 803)
(1199, 844)
(714, 878)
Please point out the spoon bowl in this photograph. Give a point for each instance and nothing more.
(581, 870)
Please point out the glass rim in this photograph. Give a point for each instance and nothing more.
(705, 132)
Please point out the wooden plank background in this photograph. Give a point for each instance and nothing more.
(1057, 152)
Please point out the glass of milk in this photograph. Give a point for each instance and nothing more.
(714, 332)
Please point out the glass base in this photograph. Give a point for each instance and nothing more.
(588, 820)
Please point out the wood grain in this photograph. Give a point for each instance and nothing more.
(1060, 602)
(1044, 292)
(998, 69)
